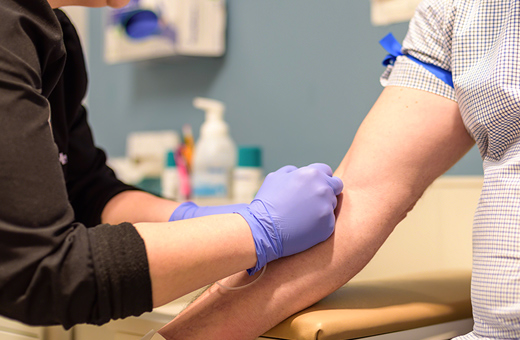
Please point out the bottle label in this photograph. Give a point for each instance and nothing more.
(213, 182)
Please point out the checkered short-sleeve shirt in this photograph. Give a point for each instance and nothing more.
(479, 42)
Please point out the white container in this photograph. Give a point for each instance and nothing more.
(170, 183)
(215, 154)
(248, 175)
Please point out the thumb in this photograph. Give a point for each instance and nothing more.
(336, 183)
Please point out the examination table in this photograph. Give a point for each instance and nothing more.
(431, 306)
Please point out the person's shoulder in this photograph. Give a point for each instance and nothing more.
(434, 9)
(32, 43)
(432, 24)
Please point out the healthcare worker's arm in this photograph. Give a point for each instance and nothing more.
(409, 138)
(137, 206)
(190, 254)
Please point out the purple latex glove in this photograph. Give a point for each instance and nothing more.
(292, 211)
(191, 210)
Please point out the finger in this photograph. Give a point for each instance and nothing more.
(286, 169)
(321, 167)
(336, 184)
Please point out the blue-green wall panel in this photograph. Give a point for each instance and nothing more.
(298, 78)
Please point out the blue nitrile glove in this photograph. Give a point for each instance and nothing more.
(191, 210)
(292, 211)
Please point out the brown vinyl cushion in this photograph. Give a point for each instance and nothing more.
(368, 308)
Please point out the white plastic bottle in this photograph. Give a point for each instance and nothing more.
(170, 178)
(215, 154)
(248, 174)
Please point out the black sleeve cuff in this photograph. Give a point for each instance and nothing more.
(122, 272)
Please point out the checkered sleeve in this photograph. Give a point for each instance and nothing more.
(429, 40)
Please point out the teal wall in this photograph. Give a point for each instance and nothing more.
(298, 78)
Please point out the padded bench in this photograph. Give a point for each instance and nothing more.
(428, 306)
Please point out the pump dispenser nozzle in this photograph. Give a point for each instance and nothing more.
(214, 121)
(212, 107)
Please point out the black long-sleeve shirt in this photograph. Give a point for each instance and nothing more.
(58, 264)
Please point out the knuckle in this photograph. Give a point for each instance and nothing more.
(323, 191)
(310, 174)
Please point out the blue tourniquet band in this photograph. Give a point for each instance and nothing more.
(393, 47)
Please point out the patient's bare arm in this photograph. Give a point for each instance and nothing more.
(408, 139)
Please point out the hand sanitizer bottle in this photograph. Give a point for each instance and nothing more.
(215, 154)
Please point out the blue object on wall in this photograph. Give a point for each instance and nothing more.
(141, 24)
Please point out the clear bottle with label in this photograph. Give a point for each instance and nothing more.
(215, 154)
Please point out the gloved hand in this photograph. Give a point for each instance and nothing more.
(191, 210)
(292, 211)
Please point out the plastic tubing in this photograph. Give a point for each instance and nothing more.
(246, 285)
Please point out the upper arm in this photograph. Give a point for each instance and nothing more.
(90, 182)
(409, 138)
(414, 132)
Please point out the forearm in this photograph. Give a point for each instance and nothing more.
(290, 284)
(186, 255)
(409, 138)
(137, 206)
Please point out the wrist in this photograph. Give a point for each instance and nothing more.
(184, 211)
(267, 242)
